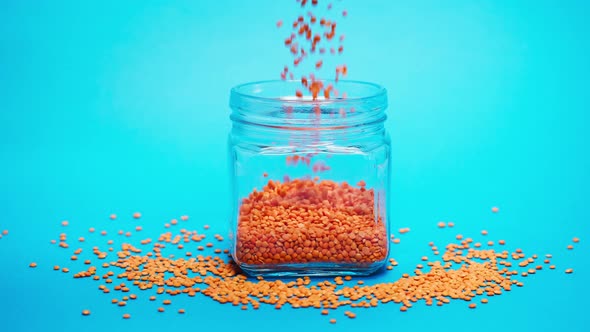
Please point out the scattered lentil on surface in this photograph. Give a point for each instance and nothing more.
(463, 272)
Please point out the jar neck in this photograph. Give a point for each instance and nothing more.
(265, 135)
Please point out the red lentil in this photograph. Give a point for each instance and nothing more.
(363, 239)
(85, 312)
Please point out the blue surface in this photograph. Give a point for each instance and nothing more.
(116, 107)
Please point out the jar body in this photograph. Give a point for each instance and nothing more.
(310, 201)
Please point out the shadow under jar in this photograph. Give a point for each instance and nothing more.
(310, 180)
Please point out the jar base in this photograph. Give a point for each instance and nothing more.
(310, 269)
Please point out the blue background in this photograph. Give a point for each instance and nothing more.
(121, 106)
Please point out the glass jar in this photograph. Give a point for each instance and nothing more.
(310, 180)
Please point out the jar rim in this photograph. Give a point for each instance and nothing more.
(241, 91)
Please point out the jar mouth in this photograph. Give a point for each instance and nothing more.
(274, 104)
(273, 91)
